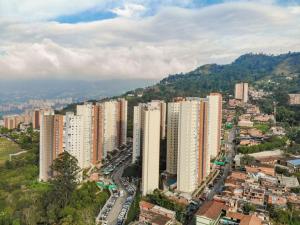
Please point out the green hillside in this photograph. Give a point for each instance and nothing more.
(257, 69)
(279, 74)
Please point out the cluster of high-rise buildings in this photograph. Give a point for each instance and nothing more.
(193, 134)
(8, 108)
(88, 135)
(190, 126)
(30, 116)
(241, 92)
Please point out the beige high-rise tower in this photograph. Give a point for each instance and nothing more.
(51, 143)
(172, 137)
(214, 123)
(193, 156)
(241, 92)
(150, 148)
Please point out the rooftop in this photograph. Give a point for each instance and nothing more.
(294, 162)
(211, 209)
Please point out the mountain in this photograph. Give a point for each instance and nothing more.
(257, 69)
(279, 74)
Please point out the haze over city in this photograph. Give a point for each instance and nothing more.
(135, 112)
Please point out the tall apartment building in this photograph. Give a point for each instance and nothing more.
(105, 128)
(212, 131)
(98, 129)
(138, 124)
(172, 137)
(13, 121)
(74, 137)
(122, 118)
(137, 132)
(214, 123)
(51, 143)
(163, 114)
(241, 92)
(86, 112)
(37, 114)
(193, 156)
(150, 148)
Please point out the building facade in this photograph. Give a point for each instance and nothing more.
(150, 149)
(172, 137)
(214, 123)
(51, 143)
(193, 156)
(241, 92)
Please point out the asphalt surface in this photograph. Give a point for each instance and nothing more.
(116, 209)
(227, 168)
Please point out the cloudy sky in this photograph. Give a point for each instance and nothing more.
(104, 39)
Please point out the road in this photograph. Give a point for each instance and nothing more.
(116, 209)
(227, 168)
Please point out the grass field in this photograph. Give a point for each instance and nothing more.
(7, 147)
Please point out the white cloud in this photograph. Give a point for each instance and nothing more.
(174, 40)
(129, 10)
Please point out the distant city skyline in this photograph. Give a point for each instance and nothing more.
(138, 39)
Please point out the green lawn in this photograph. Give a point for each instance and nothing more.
(262, 127)
(7, 147)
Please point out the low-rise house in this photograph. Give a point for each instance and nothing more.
(289, 182)
(255, 132)
(268, 170)
(245, 123)
(254, 195)
(294, 165)
(249, 142)
(294, 99)
(276, 200)
(234, 103)
(264, 118)
(253, 109)
(240, 219)
(210, 213)
(156, 215)
(280, 131)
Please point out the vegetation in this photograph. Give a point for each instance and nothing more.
(263, 127)
(289, 216)
(247, 160)
(134, 210)
(24, 200)
(283, 171)
(270, 144)
(248, 207)
(7, 147)
(160, 199)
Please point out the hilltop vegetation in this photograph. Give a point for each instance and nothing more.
(277, 74)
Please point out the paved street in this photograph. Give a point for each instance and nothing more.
(116, 209)
(229, 155)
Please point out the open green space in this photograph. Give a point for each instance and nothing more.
(7, 147)
(263, 127)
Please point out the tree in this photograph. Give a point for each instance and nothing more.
(247, 208)
(247, 160)
(65, 180)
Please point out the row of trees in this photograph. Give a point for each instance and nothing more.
(272, 143)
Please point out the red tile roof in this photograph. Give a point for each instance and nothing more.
(211, 209)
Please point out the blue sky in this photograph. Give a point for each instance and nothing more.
(102, 12)
(103, 39)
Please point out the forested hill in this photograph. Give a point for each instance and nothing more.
(279, 74)
(257, 69)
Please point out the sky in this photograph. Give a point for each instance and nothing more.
(129, 39)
